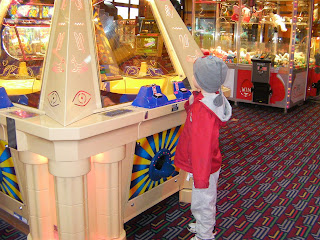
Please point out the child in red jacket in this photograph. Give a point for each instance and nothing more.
(198, 151)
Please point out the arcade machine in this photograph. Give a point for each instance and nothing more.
(249, 34)
(84, 170)
(127, 30)
(140, 58)
(24, 38)
(149, 40)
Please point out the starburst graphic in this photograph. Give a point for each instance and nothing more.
(153, 161)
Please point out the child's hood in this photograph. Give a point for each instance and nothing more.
(223, 112)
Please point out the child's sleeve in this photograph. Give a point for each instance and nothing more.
(186, 105)
(205, 136)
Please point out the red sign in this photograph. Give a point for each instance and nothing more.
(244, 85)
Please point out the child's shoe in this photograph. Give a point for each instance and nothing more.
(192, 228)
(195, 238)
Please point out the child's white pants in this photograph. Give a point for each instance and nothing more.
(203, 207)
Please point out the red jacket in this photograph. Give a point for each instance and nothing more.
(198, 149)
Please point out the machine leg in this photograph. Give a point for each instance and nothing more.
(38, 196)
(71, 208)
(186, 188)
(107, 168)
(71, 198)
(108, 201)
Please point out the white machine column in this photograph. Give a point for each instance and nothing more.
(38, 193)
(71, 198)
(107, 167)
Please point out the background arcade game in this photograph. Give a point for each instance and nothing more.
(24, 36)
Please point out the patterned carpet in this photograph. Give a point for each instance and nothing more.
(7, 232)
(269, 186)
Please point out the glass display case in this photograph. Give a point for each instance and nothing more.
(214, 29)
(268, 30)
(257, 36)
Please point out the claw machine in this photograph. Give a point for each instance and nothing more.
(214, 28)
(267, 47)
(98, 147)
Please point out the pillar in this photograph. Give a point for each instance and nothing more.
(108, 194)
(38, 196)
(71, 198)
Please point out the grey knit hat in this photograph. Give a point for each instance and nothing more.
(210, 73)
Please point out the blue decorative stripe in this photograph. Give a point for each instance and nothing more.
(160, 136)
(138, 179)
(137, 167)
(167, 137)
(8, 170)
(142, 153)
(12, 192)
(5, 155)
(152, 144)
(13, 183)
(137, 192)
(175, 132)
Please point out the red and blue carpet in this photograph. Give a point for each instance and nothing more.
(8, 232)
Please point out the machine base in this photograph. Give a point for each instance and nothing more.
(123, 236)
(185, 195)
(148, 199)
(186, 192)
